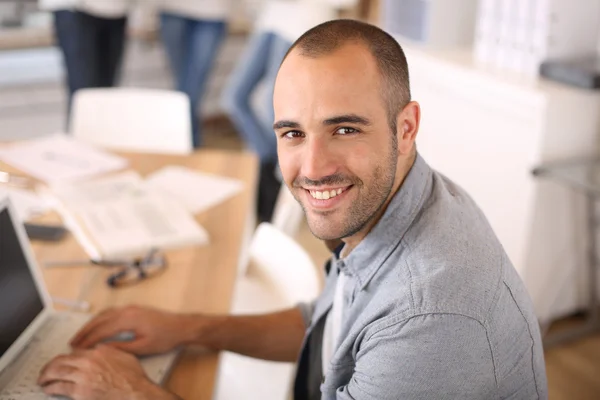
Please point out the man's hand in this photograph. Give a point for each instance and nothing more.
(155, 331)
(102, 373)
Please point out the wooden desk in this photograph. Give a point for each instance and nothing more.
(198, 279)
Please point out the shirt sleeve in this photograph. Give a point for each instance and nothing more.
(431, 356)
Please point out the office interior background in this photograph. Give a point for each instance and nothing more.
(511, 111)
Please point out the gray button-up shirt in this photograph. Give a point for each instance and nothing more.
(433, 308)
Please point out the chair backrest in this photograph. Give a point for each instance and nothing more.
(280, 275)
(284, 266)
(288, 214)
(132, 119)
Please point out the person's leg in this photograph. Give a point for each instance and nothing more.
(205, 40)
(90, 36)
(175, 34)
(270, 183)
(113, 48)
(68, 40)
(235, 101)
(279, 49)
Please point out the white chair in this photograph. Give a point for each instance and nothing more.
(280, 275)
(131, 119)
(288, 214)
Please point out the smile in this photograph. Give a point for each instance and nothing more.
(326, 194)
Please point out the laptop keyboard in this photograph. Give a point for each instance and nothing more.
(51, 340)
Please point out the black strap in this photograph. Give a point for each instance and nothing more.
(309, 374)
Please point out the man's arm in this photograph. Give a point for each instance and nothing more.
(430, 356)
(275, 336)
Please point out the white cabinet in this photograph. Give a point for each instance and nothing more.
(487, 131)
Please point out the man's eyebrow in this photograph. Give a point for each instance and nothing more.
(347, 118)
(285, 124)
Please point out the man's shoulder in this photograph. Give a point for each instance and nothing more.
(454, 259)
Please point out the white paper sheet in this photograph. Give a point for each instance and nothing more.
(195, 190)
(27, 203)
(123, 217)
(59, 158)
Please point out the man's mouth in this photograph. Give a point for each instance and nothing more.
(327, 193)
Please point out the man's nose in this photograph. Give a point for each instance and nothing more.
(320, 159)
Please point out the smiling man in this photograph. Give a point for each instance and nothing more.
(421, 302)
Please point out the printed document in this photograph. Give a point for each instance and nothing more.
(58, 158)
(122, 216)
(197, 191)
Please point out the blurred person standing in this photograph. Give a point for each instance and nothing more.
(192, 32)
(278, 25)
(103, 24)
(67, 39)
(91, 36)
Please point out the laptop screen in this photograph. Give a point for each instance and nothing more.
(20, 301)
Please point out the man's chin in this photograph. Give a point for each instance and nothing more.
(324, 230)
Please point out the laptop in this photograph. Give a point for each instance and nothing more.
(31, 332)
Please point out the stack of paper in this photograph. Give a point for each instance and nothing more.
(59, 158)
(116, 215)
(195, 190)
(120, 215)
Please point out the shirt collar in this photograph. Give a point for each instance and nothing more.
(366, 258)
(335, 256)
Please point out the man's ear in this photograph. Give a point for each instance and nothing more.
(407, 127)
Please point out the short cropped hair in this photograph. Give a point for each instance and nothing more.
(327, 37)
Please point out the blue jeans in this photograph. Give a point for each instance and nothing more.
(191, 46)
(92, 49)
(66, 29)
(259, 63)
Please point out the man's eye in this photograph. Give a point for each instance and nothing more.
(293, 135)
(346, 131)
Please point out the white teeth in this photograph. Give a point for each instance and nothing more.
(325, 195)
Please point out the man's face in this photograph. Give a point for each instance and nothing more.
(336, 152)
